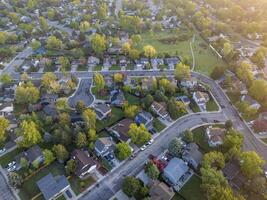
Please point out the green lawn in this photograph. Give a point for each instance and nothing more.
(177, 197)
(117, 114)
(194, 107)
(132, 100)
(29, 188)
(130, 67)
(115, 67)
(98, 68)
(191, 190)
(79, 185)
(158, 125)
(82, 68)
(212, 106)
(264, 140)
(7, 158)
(100, 96)
(201, 140)
(51, 68)
(61, 197)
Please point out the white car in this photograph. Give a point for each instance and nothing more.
(143, 147)
(11, 169)
(265, 174)
(2, 150)
(150, 141)
(11, 164)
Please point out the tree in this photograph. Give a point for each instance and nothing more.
(149, 51)
(84, 26)
(53, 43)
(244, 72)
(98, 43)
(228, 51)
(118, 78)
(102, 11)
(71, 167)
(29, 131)
(222, 193)
(122, 151)
(62, 105)
(130, 111)
(35, 44)
(251, 163)
(228, 124)
(259, 58)
(43, 23)
(49, 81)
(246, 110)
(15, 179)
(126, 47)
(24, 163)
(217, 72)
(188, 136)
(81, 140)
(99, 82)
(182, 71)
(232, 143)
(167, 86)
(152, 170)
(136, 39)
(61, 153)
(89, 118)
(148, 100)
(5, 78)
(130, 186)
(175, 147)
(4, 124)
(64, 119)
(139, 134)
(65, 63)
(80, 106)
(176, 108)
(213, 159)
(27, 93)
(48, 157)
(257, 185)
(259, 85)
(3, 37)
(134, 54)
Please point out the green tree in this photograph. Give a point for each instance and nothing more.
(130, 186)
(3, 37)
(102, 11)
(148, 100)
(259, 58)
(175, 147)
(139, 134)
(152, 170)
(49, 81)
(71, 167)
(251, 164)
(118, 78)
(217, 72)
(98, 44)
(136, 39)
(122, 151)
(228, 50)
(149, 51)
(244, 72)
(99, 82)
(27, 93)
(221, 193)
(232, 143)
(89, 118)
(259, 85)
(80, 106)
(84, 26)
(54, 43)
(65, 63)
(130, 111)
(61, 153)
(30, 133)
(62, 105)
(213, 159)
(182, 71)
(81, 140)
(15, 179)
(4, 124)
(126, 47)
(24, 163)
(228, 125)
(48, 157)
(188, 136)
(35, 44)
(43, 23)
(5, 78)
(134, 54)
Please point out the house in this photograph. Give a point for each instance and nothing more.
(183, 99)
(52, 187)
(160, 191)
(201, 98)
(25, 19)
(51, 111)
(85, 163)
(6, 109)
(215, 136)
(117, 98)
(175, 170)
(102, 111)
(32, 155)
(76, 118)
(120, 130)
(172, 62)
(160, 109)
(239, 85)
(253, 103)
(144, 118)
(148, 83)
(93, 61)
(233, 174)
(156, 62)
(188, 83)
(192, 155)
(263, 116)
(104, 146)
(48, 99)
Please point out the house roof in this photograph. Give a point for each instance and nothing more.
(102, 107)
(51, 186)
(249, 100)
(122, 128)
(33, 153)
(160, 107)
(200, 95)
(160, 191)
(175, 169)
(143, 117)
(216, 134)
(101, 143)
(193, 152)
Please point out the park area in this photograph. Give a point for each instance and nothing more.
(178, 43)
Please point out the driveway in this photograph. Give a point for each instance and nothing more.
(83, 93)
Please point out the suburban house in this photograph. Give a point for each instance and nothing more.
(32, 155)
(184, 99)
(148, 83)
(51, 111)
(160, 109)
(48, 99)
(120, 130)
(172, 62)
(160, 191)
(192, 155)
(104, 146)
(233, 174)
(252, 102)
(175, 170)
(102, 111)
(93, 61)
(215, 136)
(188, 83)
(201, 98)
(6, 109)
(51, 187)
(156, 62)
(85, 163)
(144, 118)
(117, 98)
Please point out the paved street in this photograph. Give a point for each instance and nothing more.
(5, 191)
(82, 93)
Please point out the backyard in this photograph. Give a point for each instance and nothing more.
(191, 190)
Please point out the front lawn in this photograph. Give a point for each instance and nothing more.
(30, 189)
(82, 68)
(98, 68)
(115, 67)
(100, 95)
(116, 115)
(158, 125)
(191, 190)
(7, 158)
(78, 185)
(212, 106)
(194, 107)
(132, 100)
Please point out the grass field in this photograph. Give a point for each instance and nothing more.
(132, 100)
(158, 125)
(191, 190)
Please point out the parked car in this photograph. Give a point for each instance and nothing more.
(68, 193)
(11, 164)
(11, 169)
(2, 150)
(143, 147)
